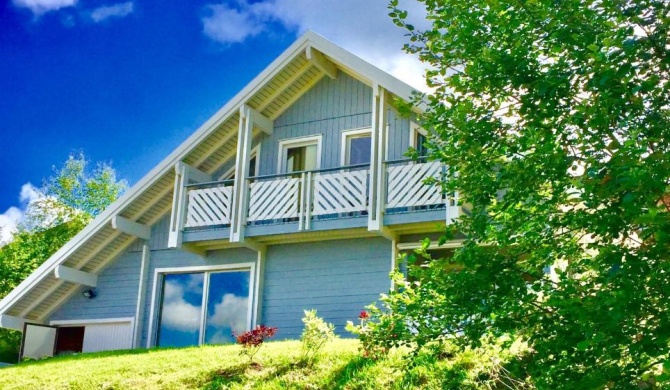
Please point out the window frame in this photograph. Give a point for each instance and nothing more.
(347, 135)
(156, 295)
(414, 131)
(289, 143)
(255, 152)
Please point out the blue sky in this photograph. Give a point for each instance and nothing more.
(127, 81)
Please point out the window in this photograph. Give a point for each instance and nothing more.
(253, 166)
(302, 154)
(204, 306)
(418, 138)
(356, 146)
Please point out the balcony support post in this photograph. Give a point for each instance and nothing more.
(378, 143)
(238, 218)
(184, 174)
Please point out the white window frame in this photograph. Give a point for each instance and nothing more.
(350, 134)
(286, 144)
(255, 152)
(158, 282)
(414, 130)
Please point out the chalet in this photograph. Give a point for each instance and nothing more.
(295, 195)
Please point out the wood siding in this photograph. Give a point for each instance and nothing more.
(337, 278)
(330, 107)
(117, 293)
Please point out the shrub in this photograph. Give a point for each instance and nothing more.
(252, 341)
(315, 335)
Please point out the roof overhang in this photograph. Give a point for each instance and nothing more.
(304, 63)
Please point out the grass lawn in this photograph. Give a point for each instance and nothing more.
(222, 367)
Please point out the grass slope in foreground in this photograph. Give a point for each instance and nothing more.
(222, 367)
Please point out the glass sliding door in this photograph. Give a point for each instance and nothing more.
(227, 306)
(181, 310)
(203, 307)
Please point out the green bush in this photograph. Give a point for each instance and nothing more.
(315, 335)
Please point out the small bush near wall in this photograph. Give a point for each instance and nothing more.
(315, 335)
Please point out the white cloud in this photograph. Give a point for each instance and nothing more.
(227, 25)
(178, 314)
(362, 27)
(231, 313)
(39, 7)
(112, 11)
(10, 219)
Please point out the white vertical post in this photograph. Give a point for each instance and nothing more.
(178, 206)
(308, 200)
(382, 134)
(239, 208)
(373, 222)
(301, 201)
(141, 295)
(377, 192)
(260, 277)
(394, 259)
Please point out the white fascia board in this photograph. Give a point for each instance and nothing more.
(341, 56)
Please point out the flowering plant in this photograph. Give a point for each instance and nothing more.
(252, 341)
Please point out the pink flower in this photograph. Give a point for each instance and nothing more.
(364, 315)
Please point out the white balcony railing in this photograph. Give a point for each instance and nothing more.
(315, 195)
(405, 185)
(209, 206)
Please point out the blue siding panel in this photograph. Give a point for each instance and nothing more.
(337, 278)
(117, 293)
(330, 107)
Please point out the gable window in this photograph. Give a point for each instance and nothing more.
(203, 306)
(300, 154)
(356, 146)
(253, 166)
(418, 139)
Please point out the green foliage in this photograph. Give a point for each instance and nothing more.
(315, 335)
(555, 117)
(222, 367)
(70, 200)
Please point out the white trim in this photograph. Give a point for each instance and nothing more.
(346, 135)
(342, 59)
(433, 245)
(94, 321)
(141, 296)
(159, 272)
(255, 152)
(131, 228)
(297, 142)
(75, 276)
(414, 128)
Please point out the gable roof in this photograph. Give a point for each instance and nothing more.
(283, 82)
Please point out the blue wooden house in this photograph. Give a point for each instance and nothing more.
(295, 195)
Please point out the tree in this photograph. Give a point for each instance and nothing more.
(70, 200)
(553, 118)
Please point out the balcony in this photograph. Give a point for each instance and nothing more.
(335, 198)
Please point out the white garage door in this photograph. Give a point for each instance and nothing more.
(108, 336)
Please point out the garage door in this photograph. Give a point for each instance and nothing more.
(108, 336)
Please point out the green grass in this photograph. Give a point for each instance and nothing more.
(222, 367)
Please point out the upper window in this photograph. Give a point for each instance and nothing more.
(356, 146)
(253, 166)
(204, 307)
(418, 138)
(301, 154)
